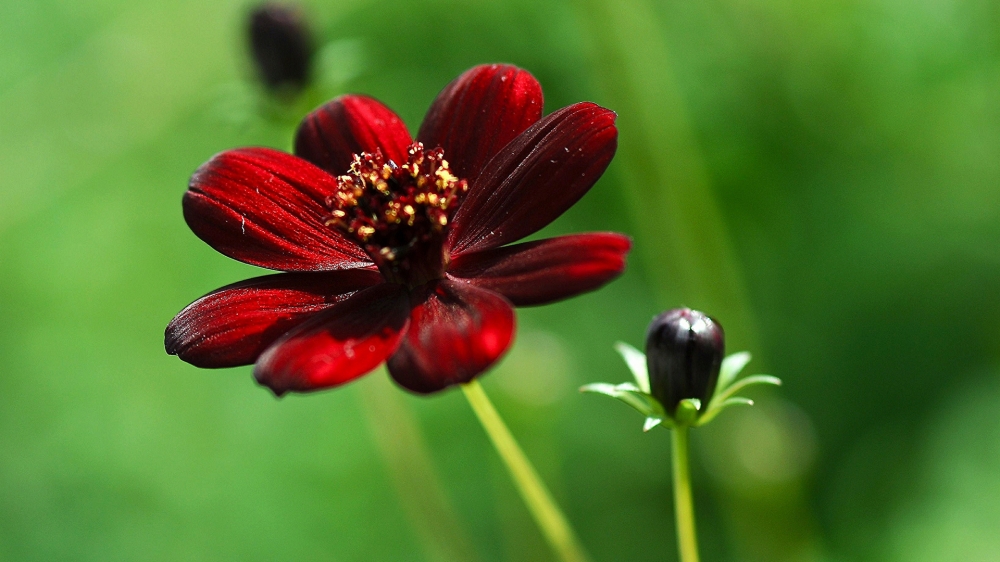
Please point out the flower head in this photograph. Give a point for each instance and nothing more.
(395, 250)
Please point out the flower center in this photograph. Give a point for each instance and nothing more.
(399, 214)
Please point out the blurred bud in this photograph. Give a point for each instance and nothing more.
(281, 46)
(684, 351)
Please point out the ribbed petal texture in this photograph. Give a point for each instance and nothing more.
(479, 113)
(456, 332)
(331, 135)
(339, 345)
(265, 207)
(234, 325)
(545, 271)
(536, 177)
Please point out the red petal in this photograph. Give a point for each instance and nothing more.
(547, 270)
(337, 346)
(479, 113)
(265, 208)
(456, 332)
(234, 325)
(332, 134)
(536, 177)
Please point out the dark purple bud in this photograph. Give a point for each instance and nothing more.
(281, 46)
(684, 350)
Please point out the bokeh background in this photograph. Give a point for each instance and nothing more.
(820, 176)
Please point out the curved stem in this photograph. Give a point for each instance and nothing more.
(687, 541)
(543, 508)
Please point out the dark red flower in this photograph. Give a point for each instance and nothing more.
(395, 250)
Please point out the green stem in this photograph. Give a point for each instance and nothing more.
(399, 439)
(543, 508)
(687, 541)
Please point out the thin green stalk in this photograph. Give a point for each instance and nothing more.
(400, 441)
(543, 508)
(687, 540)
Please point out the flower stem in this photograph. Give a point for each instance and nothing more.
(687, 541)
(543, 508)
(399, 439)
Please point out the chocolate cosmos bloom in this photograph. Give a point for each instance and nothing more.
(396, 250)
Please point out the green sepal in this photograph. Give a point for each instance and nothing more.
(630, 394)
(731, 367)
(725, 397)
(636, 361)
(743, 383)
(715, 411)
(652, 422)
(687, 412)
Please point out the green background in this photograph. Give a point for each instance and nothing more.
(820, 176)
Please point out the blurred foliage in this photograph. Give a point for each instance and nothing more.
(819, 176)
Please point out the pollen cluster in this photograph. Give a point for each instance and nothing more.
(392, 209)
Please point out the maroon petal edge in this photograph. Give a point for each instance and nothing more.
(339, 345)
(479, 113)
(456, 332)
(536, 177)
(265, 207)
(548, 270)
(233, 325)
(333, 133)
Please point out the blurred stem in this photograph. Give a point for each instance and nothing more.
(543, 508)
(401, 443)
(687, 540)
(687, 252)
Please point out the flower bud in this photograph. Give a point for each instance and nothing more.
(281, 46)
(684, 351)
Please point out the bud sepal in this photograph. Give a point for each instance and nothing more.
(689, 412)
